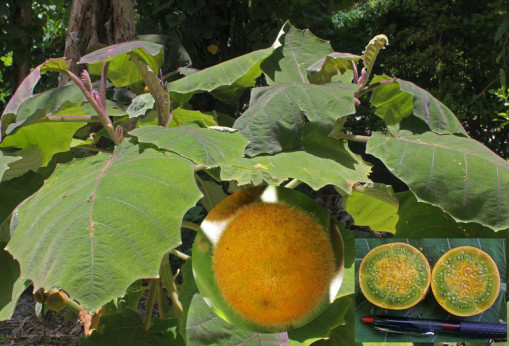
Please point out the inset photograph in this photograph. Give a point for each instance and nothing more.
(430, 290)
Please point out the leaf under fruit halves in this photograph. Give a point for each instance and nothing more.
(101, 222)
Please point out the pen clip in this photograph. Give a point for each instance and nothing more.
(388, 330)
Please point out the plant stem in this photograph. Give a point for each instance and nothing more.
(74, 118)
(293, 184)
(190, 225)
(370, 87)
(179, 254)
(150, 303)
(171, 287)
(101, 111)
(354, 138)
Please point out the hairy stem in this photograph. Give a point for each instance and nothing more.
(371, 87)
(353, 138)
(190, 225)
(101, 112)
(179, 254)
(150, 303)
(293, 184)
(170, 285)
(74, 118)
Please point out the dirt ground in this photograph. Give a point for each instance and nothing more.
(25, 328)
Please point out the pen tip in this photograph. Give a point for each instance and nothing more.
(367, 319)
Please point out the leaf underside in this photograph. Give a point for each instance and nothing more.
(458, 174)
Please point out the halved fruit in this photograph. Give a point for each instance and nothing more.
(465, 281)
(394, 276)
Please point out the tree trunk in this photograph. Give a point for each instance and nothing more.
(96, 22)
(21, 16)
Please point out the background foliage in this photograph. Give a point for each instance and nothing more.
(456, 49)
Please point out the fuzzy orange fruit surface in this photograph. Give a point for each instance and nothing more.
(273, 264)
(394, 276)
(465, 281)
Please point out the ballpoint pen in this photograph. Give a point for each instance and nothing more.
(414, 326)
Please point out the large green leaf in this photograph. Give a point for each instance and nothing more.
(321, 326)
(206, 146)
(11, 286)
(101, 222)
(225, 80)
(457, 174)
(435, 114)
(126, 328)
(374, 206)
(201, 326)
(122, 71)
(295, 51)
(48, 138)
(423, 220)
(324, 161)
(344, 334)
(401, 98)
(276, 114)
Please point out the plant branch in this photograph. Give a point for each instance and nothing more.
(370, 87)
(293, 184)
(190, 225)
(95, 102)
(170, 285)
(150, 303)
(179, 254)
(74, 118)
(353, 138)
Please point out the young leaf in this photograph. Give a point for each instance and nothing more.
(140, 105)
(102, 222)
(392, 104)
(370, 53)
(276, 114)
(322, 71)
(295, 51)
(457, 174)
(121, 70)
(224, 80)
(205, 146)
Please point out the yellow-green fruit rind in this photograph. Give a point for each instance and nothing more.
(273, 264)
(394, 276)
(465, 281)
